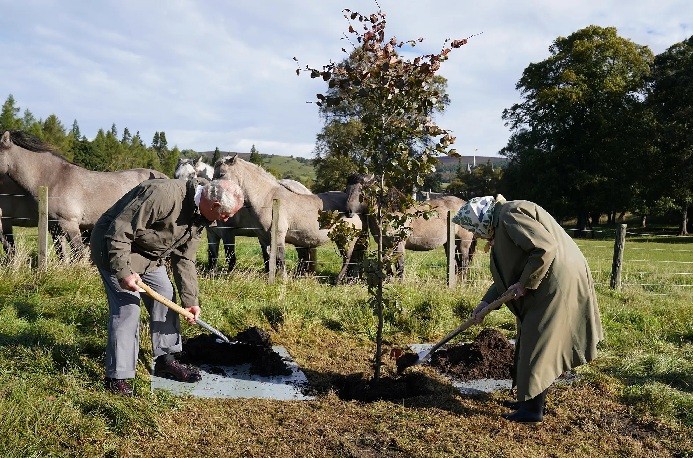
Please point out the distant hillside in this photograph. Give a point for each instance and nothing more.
(301, 169)
(296, 168)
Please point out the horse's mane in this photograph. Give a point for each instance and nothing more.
(32, 143)
(260, 170)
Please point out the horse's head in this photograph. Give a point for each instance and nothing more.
(203, 170)
(5, 144)
(184, 170)
(224, 166)
(355, 184)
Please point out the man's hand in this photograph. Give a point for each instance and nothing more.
(476, 313)
(130, 282)
(195, 310)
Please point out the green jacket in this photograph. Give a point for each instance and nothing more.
(558, 319)
(155, 221)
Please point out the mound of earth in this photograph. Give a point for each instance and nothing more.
(252, 346)
(489, 356)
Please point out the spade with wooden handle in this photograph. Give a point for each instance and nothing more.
(413, 359)
(181, 311)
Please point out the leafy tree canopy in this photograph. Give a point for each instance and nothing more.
(579, 124)
(671, 101)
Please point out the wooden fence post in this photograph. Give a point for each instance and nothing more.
(273, 241)
(618, 257)
(42, 227)
(451, 274)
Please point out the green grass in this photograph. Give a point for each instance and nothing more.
(636, 399)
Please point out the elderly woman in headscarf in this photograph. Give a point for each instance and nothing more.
(558, 324)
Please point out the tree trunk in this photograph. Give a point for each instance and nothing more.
(581, 224)
(378, 362)
(684, 219)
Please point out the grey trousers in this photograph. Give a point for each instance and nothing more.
(123, 344)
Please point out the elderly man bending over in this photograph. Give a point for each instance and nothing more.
(156, 221)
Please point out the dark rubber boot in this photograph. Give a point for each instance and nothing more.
(168, 367)
(511, 404)
(118, 386)
(530, 411)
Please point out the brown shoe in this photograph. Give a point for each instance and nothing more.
(166, 366)
(118, 386)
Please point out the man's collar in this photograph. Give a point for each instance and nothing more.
(198, 194)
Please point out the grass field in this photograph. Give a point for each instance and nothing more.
(635, 400)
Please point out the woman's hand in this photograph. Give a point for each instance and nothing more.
(518, 289)
(476, 316)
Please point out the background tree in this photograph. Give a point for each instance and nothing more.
(216, 156)
(255, 157)
(126, 139)
(394, 99)
(580, 124)
(671, 101)
(54, 133)
(433, 182)
(9, 115)
(336, 156)
(86, 155)
(143, 156)
(108, 149)
(167, 158)
(29, 123)
(160, 145)
(337, 146)
(482, 180)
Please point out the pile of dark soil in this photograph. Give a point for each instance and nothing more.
(489, 356)
(252, 346)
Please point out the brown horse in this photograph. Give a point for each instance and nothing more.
(297, 222)
(17, 208)
(426, 234)
(76, 196)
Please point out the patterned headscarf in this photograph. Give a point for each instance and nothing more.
(476, 216)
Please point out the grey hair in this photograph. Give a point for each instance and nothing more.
(227, 193)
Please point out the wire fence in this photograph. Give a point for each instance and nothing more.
(651, 261)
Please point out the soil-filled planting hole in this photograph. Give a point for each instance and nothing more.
(252, 346)
(357, 387)
(489, 356)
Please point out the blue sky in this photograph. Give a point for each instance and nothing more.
(221, 74)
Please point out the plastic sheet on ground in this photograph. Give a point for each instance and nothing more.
(237, 382)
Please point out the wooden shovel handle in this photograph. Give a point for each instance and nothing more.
(485, 311)
(168, 303)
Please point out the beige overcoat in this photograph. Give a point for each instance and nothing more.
(558, 319)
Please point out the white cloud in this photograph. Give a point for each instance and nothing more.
(221, 73)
